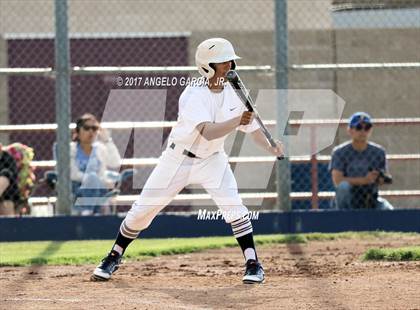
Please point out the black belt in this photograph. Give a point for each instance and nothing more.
(185, 152)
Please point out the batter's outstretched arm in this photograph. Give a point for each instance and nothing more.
(261, 140)
(211, 131)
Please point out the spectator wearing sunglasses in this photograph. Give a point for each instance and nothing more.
(93, 155)
(358, 167)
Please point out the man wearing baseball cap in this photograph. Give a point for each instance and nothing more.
(358, 167)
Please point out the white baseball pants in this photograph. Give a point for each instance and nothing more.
(175, 171)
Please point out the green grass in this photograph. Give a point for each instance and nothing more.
(362, 235)
(389, 254)
(84, 252)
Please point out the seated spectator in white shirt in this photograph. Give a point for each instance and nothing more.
(93, 155)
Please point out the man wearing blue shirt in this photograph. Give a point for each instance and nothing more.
(358, 167)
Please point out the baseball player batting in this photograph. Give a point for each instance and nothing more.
(208, 113)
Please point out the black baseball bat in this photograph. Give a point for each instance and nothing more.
(236, 82)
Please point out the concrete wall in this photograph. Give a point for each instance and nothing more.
(162, 15)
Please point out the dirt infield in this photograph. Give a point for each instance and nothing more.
(317, 275)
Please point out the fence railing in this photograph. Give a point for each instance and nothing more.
(315, 195)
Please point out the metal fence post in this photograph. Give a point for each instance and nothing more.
(62, 103)
(281, 39)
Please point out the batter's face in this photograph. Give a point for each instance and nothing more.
(88, 132)
(222, 69)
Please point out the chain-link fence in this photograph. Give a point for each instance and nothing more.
(120, 51)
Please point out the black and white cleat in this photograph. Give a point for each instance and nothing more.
(107, 267)
(254, 272)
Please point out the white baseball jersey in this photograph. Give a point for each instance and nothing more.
(199, 104)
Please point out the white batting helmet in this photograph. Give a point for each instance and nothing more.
(215, 50)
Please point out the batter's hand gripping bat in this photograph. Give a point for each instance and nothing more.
(236, 82)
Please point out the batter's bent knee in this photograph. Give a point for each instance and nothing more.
(140, 216)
